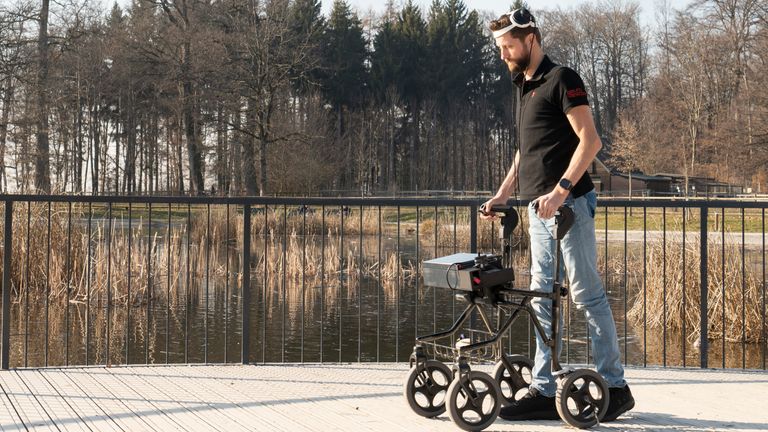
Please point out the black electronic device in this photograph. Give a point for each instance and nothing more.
(468, 272)
(565, 184)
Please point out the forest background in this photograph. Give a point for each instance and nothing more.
(263, 97)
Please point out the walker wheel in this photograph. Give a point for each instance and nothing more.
(473, 401)
(425, 388)
(515, 381)
(582, 398)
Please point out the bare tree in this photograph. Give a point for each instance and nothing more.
(265, 51)
(607, 45)
(42, 156)
(179, 13)
(738, 21)
(626, 148)
(14, 59)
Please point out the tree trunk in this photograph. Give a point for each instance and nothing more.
(129, 180)
(170, 148)
(103, 185)
(453, 154)
(249, 152)
(221, 151)
(415, 146)
(179, 158)
(263, 140)
(9, 90)
(236, 148)
(391, 176)
(95, 148)
(144, 172)
(62, 160)
(265, 127)
(118, 135)
(42, 163)
(78, 145)
(191, 132)
(153, 158)
(337, 138)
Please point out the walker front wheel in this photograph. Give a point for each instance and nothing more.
(473, 401)
(582, 398)
(515, 381)
(426, 386)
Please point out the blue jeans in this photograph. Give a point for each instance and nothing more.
(579, 256)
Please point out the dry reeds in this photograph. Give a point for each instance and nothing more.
(74, 253)
(303, 267)
(450, 235)
(734, 297)
(311, 220)
(91, 253)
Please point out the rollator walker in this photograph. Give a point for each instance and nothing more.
(486, 283)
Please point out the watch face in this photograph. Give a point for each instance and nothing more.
(566, 184)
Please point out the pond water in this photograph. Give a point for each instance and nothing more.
(360, 315)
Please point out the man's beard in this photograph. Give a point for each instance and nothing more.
(519, 66)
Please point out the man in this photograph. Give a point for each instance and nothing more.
(558, 142)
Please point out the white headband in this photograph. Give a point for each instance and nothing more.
(501, 32)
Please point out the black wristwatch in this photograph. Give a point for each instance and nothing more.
(565, 184)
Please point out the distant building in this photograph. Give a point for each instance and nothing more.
(611, 182)
(702, 186)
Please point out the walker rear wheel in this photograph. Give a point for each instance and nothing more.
(582, 398)
(426, 386)
(473, 401)
(513, 384)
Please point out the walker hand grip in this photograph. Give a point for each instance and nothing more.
(510, 219)
(564, 219)
(499, 208)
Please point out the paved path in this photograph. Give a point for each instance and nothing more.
(349, 397)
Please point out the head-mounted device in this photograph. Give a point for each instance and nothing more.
(518, 18)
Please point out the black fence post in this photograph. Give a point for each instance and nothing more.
(246, 283)
(7, 242)
(704, 342)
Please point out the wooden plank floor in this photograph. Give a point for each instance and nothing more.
(349, 397)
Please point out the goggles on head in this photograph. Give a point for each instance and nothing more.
(519, 18)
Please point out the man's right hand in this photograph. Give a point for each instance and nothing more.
(485, 209)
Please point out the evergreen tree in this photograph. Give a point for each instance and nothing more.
(386, 61)
(412, 35)
(455, 50)
(345, 54)
(308, 27)
(412, 84)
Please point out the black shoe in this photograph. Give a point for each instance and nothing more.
(532, 406)
(621, 401)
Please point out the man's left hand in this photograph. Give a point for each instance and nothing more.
(549, 203)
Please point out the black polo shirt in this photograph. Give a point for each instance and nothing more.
(547, 141)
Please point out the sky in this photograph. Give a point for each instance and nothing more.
(498, 7)
(494, 7)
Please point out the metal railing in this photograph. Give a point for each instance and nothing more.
(723, 264)
(126, 280)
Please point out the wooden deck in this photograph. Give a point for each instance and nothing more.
(349, 397)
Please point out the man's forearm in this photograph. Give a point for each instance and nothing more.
(508, 185)
(582, 123)
(583, 156)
